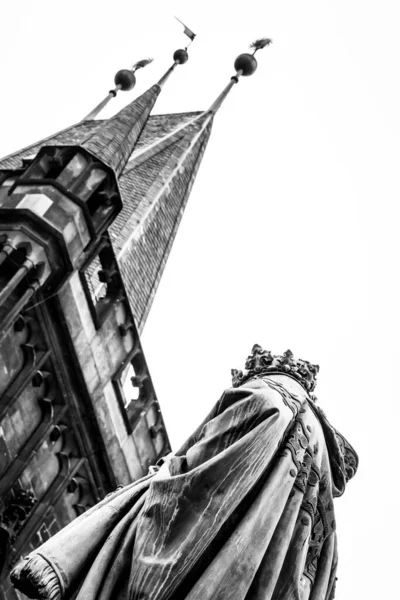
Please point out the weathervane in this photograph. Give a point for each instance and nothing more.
(259, 44)
(245, 65)
(187, 32)
(124, 80)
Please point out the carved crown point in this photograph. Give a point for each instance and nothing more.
(263, 363)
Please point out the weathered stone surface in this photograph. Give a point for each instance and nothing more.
(243, 511)
(68, 432)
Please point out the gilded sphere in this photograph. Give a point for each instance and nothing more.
(246, 63)
(181, 56)
(126, 79)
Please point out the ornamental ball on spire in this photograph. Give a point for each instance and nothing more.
(126, 79)
(246, 63)
(181, 56)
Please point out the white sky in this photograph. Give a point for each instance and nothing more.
(290, 235)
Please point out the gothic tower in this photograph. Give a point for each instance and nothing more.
(87, 220)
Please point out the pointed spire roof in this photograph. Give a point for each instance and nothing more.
(155, 129)
(124, 80)
(113, 141)
(156, 165)
(156, 184)
(160, 176)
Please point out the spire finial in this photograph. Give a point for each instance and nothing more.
(181, 56)
(245, 65)
(124, 80)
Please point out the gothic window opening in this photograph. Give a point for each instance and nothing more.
(101, 282)
(14, 268)
(132, 393)
(130, 388)
(134, 389)
(97, 288)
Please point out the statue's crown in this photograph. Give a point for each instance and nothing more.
(263, 362)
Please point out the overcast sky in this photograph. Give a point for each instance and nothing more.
(290, 237)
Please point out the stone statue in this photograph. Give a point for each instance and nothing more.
(243, 511)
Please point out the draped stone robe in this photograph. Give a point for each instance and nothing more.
(243, 511)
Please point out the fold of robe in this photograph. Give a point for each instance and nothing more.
(243, 511)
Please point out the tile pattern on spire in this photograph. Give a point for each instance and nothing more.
(162, 143)
(114, 140)
(71, 136)
(143, 233)
(156, 128)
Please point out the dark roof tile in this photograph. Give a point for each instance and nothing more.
(114, 140)
(142, 258)
(156, 127)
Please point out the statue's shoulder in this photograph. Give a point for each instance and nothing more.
(342, 456)
(291, 392)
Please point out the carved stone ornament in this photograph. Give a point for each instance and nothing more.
(262, 363)
(16, 511)
(12, 518)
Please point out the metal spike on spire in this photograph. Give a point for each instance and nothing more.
(124, 80)
(180, 56)
(245, 65)
(114, 140)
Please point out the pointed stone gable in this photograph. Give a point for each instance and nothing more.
(114, 140)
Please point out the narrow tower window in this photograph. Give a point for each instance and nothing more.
(101, 282)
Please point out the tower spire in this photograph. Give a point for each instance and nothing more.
(180, 58)
(124, 80)
(113, 141)
(143, 233)
(245, 65)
